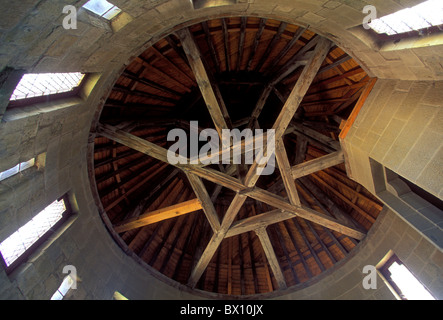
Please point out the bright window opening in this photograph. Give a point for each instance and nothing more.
(39, 227)
(102, 8)
(410, 287)
(402, 282)
(422, 16)
(18, 168)
(42, 84)
(63, 289)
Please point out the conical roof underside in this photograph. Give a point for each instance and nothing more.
(158, 92)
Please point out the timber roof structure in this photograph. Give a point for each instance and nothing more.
(223, 229)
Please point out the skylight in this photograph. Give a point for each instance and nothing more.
(102, 8)
(41, 84)
(20, 241)
(18, 168)
(425, 15)
(410, 287)
(63, 289)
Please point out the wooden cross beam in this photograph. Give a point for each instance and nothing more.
(285, 171)
(251, 178)
(311, 166)
(159, 215)
(226, 181)
(203, 81)
(272, 258)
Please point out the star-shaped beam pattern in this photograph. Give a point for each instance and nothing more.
(310, 58)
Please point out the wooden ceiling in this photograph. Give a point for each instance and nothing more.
(255, 71)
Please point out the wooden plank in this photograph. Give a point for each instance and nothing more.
(228, 182)
(205, 200)
(272, 258)
(214, 55)
(357, 108)
(299, 59)
(258, 35)
(162, 74)
(216, 240)
(285, 171)
(133, 142)
(291, 265)
(241, 42)
(302, 86)
(304, 212)
(335, 64)
(312, 134)
(260, 105)
(226, 44)
(285, 50)
(160, 182)
(317, 194)
(342, 197)
(131, 190)
(261, 220)
(293, 102)
(171, 64)
(321, 163)
(195, 60)
(301, 148)
(159, 215)
(271, 46)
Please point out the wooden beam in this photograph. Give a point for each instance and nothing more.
(216, 240)
(258, 35)
(226, 45)
(143, 94)
(335, 64)
(159, 215)
(293, 102)
(304, 212)
(301, 148)
(228, 182)
(260, 105)
(345, 199)
(171, 64)
(285, 171)
(261, 220)
(301, 87)
(241, 42)
(299, 59)
(271, 45)
(317, 194)
(285, 50)
(315, 136)
(367, 90)
(203, 81)
(211, 46)
(272, 258)
(205, 200)
(321, 163)
(161, 73)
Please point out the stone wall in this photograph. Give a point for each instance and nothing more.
(401, 127)
(33, 37)
(389, 232)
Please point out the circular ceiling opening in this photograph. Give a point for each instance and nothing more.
(221, 228)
